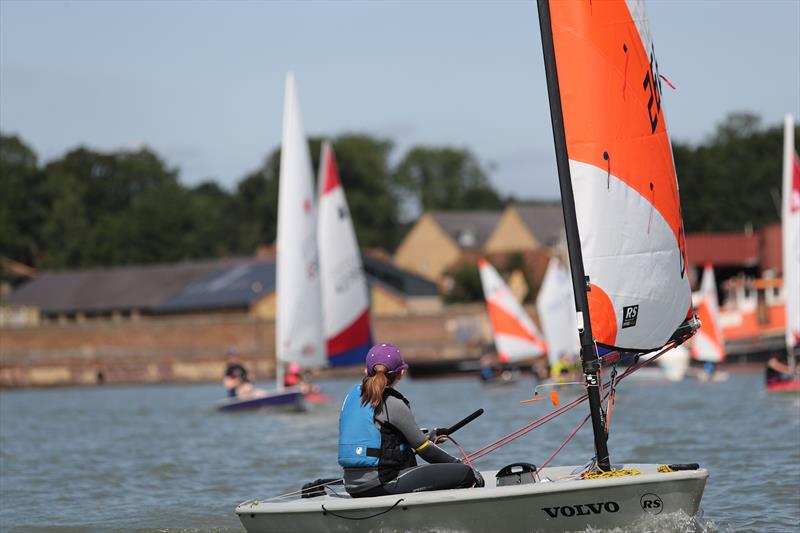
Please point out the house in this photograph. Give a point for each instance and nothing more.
(440, 239)
(527, 227)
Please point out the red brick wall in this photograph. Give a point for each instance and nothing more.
(191, 349)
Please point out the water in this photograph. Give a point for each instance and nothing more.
(159, 458)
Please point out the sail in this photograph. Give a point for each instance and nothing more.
(299, 317)
(555, 305)
(708, 343)
(791, 235)
(345, 297)
(515, 335)
(622, 172)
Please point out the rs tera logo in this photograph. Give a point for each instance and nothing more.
(651, 503)
(629, 315)
(581, 509)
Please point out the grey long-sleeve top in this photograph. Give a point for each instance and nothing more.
(395, 412)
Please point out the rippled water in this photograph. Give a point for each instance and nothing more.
(160, 458)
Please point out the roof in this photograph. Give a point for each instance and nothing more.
(723, 249)
(183, 287)
(469, 229)
(228, 287)
(546, 221)
(106, 290)
(383, 272)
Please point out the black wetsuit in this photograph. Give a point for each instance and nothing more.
(445, 472)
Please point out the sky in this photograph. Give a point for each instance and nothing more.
(201, 82)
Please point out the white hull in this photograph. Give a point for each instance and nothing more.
(561, 505)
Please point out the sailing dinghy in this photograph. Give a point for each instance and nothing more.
(790, 227)
(708, 344)
(628, 270)
(298, 326)
(516, 337)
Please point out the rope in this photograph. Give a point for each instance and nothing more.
(565, 442)
(326, 512)
(664, 469)
(602, 474)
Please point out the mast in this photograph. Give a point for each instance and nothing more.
(580, 284)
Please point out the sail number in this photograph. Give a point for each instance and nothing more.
(652, 85)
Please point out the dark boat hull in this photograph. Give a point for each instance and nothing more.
(286, 399)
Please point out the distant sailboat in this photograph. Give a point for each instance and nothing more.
(298, 325)
(708, 344)
(555, 305)
(345, 296)
(516, 337)
(790, 226)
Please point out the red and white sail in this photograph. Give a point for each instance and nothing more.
(555, 305)
(345, 297)
(622, 171)
(708, 343)
(299, 336)
(515, 335)
(791, 235)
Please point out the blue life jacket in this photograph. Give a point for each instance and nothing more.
(362, 444)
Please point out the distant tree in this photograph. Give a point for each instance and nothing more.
(22, 209)
(364, 171)
(466, 286)
(446, 178)
(733, 178)
(363, 163)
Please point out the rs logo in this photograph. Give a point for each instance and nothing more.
(651, 503)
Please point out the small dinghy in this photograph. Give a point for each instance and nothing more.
(290, 399)
(554, 500)
(627, 259)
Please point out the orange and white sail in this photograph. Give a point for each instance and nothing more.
(791, 235)
(515, 335)
(622, 172)
(708, 343)
(555, 305)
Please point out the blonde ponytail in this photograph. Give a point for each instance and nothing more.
(372, 387)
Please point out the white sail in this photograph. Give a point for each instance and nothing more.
(708, 343)
(299, 337)
(516, 337)
(555, 305)
(345, 296)
(791, 237)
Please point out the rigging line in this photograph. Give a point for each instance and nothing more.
(575, 432)
(493, 446)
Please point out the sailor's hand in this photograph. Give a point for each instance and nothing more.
(435, 432)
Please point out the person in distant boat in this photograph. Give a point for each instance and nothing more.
(294, 376)
(235, 379)
(487, 368)
(778, 371)
(379, 437)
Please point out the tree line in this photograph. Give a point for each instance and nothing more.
(92, 209)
